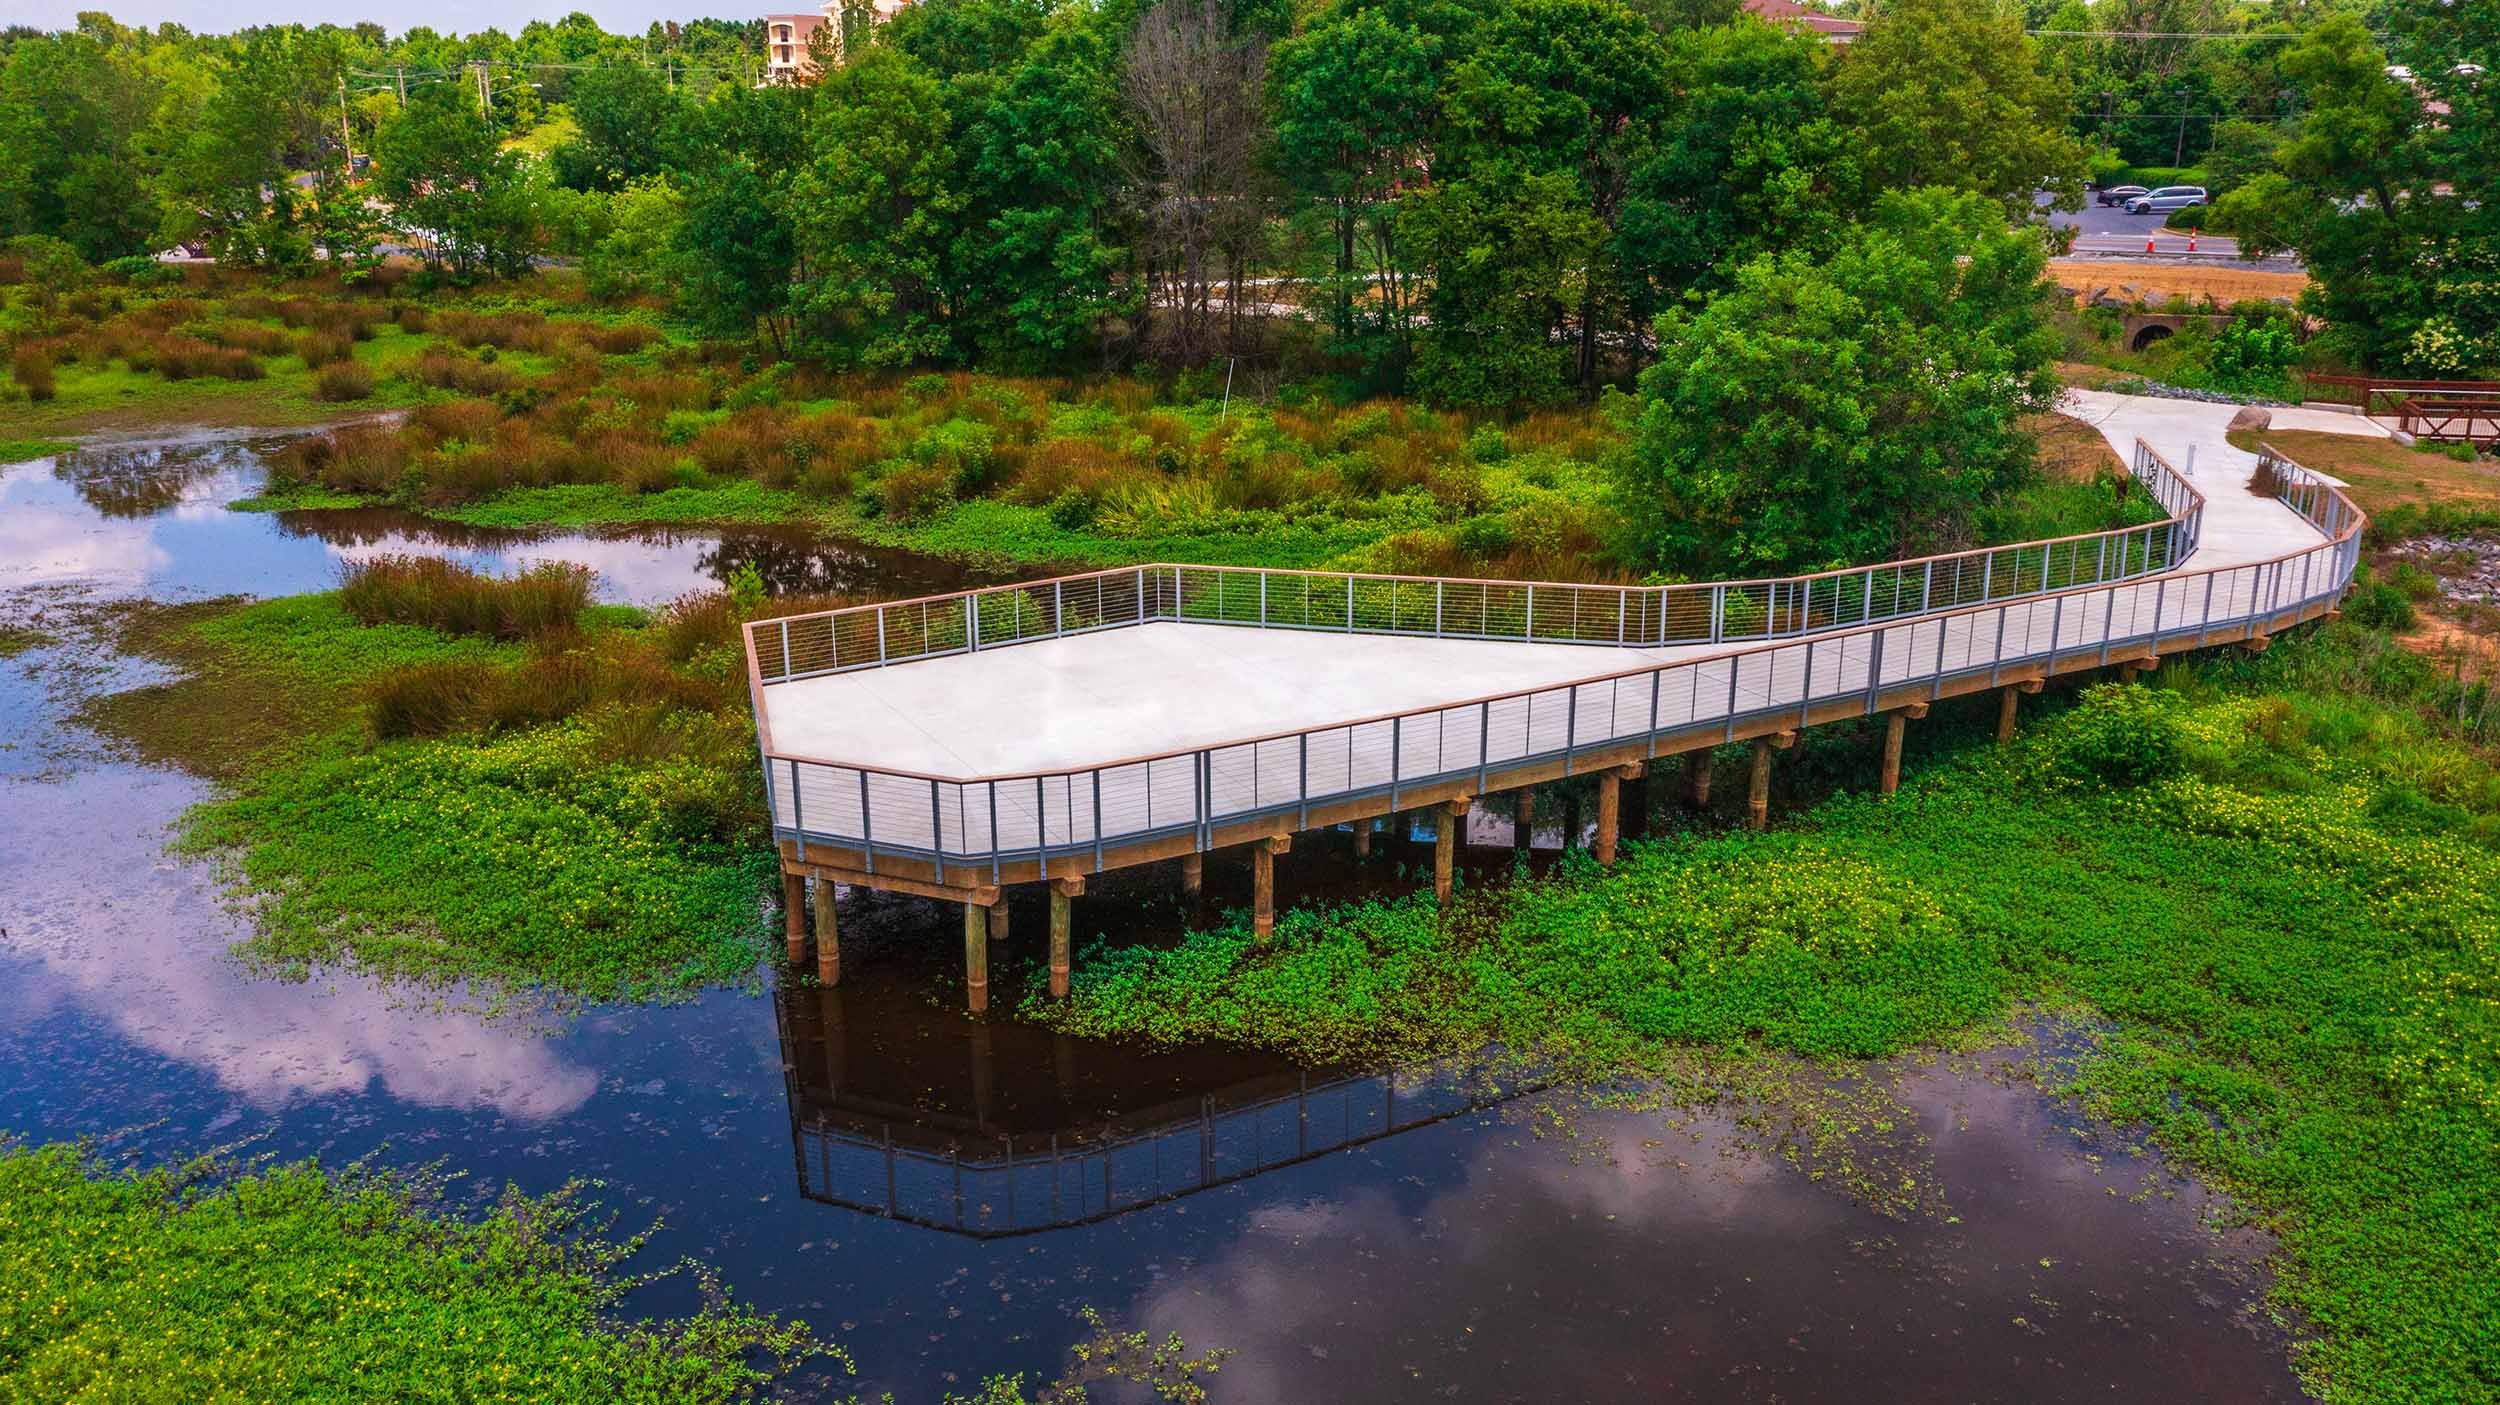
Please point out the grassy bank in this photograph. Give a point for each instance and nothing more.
(556, 798)
(2275, 879)
(213, 1281)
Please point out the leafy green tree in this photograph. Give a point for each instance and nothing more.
(72, 112)
(637, 250)
(1566, 86)
(258, 174)
(469, 204)
(1747, 162)
(876, 212)
(1037, 164)
(2375, 190)
(1950, 93)
(738, 242)
(1356, 101)
(1846, 409)
(625, 113)
(1507, 258)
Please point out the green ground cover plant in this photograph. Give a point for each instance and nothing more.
(215, 1280)
(2277, 881)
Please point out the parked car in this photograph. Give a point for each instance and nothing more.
(2166, 199)
(2121, 194)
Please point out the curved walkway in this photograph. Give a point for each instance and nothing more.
(930, 764)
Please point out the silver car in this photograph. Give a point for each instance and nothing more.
(2166, 199)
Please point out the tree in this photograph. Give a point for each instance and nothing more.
(1037, 164)
(1950, 93)
(1564, 86)
(876, 212)
(1848, 409)
(258, 175)
(71, 114)
(1355, 101)
(1195, 89)
(1506, 258)
(626, 113)
(738, 240)
(466, 201)
(1747, 162)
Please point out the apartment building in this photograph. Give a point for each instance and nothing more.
(787, 38)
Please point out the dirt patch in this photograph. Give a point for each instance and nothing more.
(224, 715)
(2158, 282)
(2072, 451)
(2385, 474)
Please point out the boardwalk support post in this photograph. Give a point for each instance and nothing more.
(828, 941)
(1446, 820)
(794, 914)
(1193, 874)
(1363, 837)
(1697, 779)
(998, 919)
(1523, 819)
(2008, 698)
(1263, 883)
(1758, 794)
(1061, 918)
(1610, 807)
(976, 957)
(1895, 722)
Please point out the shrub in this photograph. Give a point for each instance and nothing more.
(1488, 444)
(2120, 735)
(344, 380)
(2379, 605)
(248, 336)
(452, 599)
(910, 492)
(31, 367)
(319, 349)
(448, 370)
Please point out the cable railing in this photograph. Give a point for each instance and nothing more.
(986, 822)
(1719, 612)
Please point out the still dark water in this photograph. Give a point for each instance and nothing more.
(944, 1197)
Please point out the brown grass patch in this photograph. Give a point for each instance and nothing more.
(2384, 474)
(2072, 451)
(2157, 282)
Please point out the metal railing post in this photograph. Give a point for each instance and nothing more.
(798, 810)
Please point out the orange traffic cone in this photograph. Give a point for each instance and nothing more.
(2148, 243)
(2191, 241)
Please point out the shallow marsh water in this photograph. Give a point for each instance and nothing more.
(1367, 1234)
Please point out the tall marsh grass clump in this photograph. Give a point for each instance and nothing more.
(449, 598)
(31, 367)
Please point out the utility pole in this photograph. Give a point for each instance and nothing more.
(402, 73)
(347, 133)
(2178, 154)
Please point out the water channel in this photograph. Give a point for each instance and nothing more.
(944, 1197)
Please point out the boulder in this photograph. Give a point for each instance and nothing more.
(2252, 419)
(2403, 440)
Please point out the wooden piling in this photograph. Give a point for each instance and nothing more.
(1446, 820)
(1363, 837)
(1758, 794)
(1062, 916)
(976, 957)
(794, 914)
(1263, 883)
(1697, 779)
(2008, 699)
(998, 919)
(828, 940)
(1610, 808)
(1193, 874)
(1523, 819)
(1895, 723)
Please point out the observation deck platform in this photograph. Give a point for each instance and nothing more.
(958, 744)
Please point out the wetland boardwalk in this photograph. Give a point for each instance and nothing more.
(955, 745)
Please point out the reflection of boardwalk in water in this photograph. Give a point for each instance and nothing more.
(970, 1175)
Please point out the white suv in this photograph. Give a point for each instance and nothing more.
(2166, 199)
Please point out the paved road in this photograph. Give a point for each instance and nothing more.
(2110, 232)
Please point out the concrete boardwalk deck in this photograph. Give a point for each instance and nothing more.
(1067, 746)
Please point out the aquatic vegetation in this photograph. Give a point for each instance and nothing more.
(450, 598)
(219, 1280)
(2286, 901)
